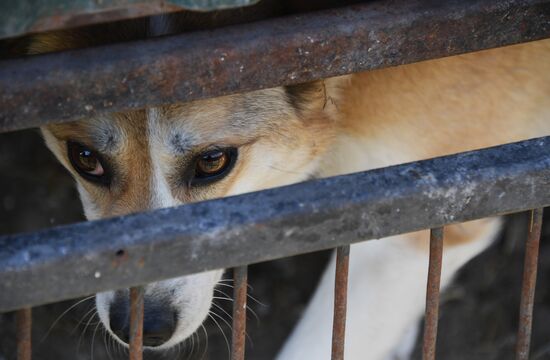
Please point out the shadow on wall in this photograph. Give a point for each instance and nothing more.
(478, 318)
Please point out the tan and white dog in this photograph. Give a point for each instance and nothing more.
(171, 155)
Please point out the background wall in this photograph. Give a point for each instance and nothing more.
(478, 316)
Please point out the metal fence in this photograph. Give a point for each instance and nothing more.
(64, 86)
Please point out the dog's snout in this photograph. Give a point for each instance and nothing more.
(159, 321)
(119, 320)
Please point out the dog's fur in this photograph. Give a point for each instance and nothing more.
(324, 128)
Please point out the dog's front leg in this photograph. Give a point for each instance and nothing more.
(386, 296)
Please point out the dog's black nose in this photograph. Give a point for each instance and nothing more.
(159, 321)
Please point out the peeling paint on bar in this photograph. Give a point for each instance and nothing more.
(254, 227)
(68, 86)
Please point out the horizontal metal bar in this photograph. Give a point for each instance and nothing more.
(82, 83)
(70, 261)
(29, 16)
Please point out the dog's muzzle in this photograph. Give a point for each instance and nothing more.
(159, 321)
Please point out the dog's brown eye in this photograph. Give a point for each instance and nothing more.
(214, 164)
(86, 162)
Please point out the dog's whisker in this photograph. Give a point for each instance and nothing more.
(222, 319)
(223, 333)
(206, 341)
(222, 309)
(222, 292)
(93, 341)
(227, 285)
(113, 343)
(256, 300)
(83, 319)
(222, 298)
(254, 314)
(63, 314)
(105, 343)
(84, 330)
(120, 348)
(186, 345)
(248, 295)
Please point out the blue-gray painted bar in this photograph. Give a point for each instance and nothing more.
(70, 261)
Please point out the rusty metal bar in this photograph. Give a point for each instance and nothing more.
(136, 323)
(432, 294)
(23, 319)
(240, 284)
(528, 284)
(67, 86)
(238, 338)
(340, 302)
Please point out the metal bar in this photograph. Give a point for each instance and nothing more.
(340, 302)
(64, 86)
(254, 227)
(239, 313)
(30, 16)
(529, 284)
(432, 294)
(136, 323)
(23, 319)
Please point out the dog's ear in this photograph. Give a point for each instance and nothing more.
(320, 96)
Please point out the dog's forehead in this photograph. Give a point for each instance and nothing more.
(180, 127)
(226, 119)
(107, 134)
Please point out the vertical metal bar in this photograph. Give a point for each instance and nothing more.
(432, 294)
(340, 302)
(136, 323)
(528, 285)
(239, 312)
(23, 319)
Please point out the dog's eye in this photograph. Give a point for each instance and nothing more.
(86, 162)
(212, 165)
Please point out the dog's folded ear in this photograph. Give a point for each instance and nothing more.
(317, 96)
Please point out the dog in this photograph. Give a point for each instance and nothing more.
(171, 155)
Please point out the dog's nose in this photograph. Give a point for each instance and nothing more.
(159, 322)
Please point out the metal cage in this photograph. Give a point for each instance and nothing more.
(298, 48)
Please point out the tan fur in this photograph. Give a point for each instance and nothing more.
(453, 104)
